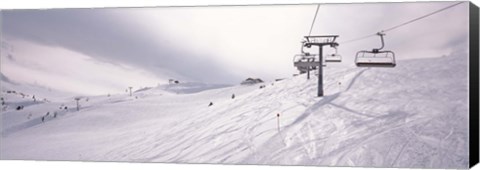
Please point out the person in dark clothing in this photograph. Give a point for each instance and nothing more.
(210, 104)
(233, 96)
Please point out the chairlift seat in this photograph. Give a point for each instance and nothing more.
(375, 59)
(375, 64)
(333, 58)
(306, 64)
(302, 60)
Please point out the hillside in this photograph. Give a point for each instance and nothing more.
(413, 115)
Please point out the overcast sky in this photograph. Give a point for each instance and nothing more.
(98, 51)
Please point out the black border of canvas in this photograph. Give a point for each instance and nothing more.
(474, 84)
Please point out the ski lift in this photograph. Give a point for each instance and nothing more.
(376, 57)
(333, 58)
(305, 62)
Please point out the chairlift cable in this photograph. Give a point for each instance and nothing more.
(405, 23)
(422, 17)
(358, 39)
(314, 18)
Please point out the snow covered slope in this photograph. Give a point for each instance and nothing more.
(414, 115)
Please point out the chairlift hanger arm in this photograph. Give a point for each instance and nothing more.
(302, 49)
(336, 50)
(381, 34)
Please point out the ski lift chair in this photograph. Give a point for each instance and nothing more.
(376, 57)
(333, 58)
(305, 62)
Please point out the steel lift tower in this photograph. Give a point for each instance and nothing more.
(320, 41)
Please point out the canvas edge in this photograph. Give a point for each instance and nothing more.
(474, 84)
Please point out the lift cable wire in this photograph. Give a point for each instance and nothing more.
(314, 18)
(424, 16)
(358, 39)
(405, 23)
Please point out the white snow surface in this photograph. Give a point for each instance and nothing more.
(414, 115)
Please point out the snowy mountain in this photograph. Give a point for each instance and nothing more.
(42, 65)
(413, 115)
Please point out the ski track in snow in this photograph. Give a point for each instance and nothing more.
(414, 115)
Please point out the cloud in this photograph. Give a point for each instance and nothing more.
(46, 66)
(226, 44)
(106, 35)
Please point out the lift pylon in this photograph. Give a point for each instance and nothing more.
(320, 41)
